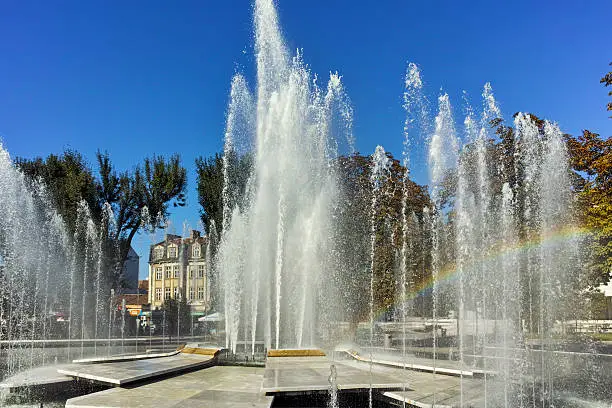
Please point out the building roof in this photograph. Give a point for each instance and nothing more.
(143, 284)
(169, 238)
(132, 253)
(194, 237)
(132, 299)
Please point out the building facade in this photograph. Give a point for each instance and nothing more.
(177, 270)
(130, 271)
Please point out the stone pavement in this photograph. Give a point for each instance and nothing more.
(126, 372)
(125, 357)
(37, 376)
(300, 374)
(422, 389)
(286, 376)
(214, 387)
(446, 367)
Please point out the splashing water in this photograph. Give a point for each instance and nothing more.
(275, 239)
(380, 169)
(45, 284)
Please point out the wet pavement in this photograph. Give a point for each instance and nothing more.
(212, 387)
(126, 372)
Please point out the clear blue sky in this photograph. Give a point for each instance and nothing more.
(143, 77)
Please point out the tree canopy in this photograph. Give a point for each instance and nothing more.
(591, 159)
(210, 189)
(210, 185)
(155, 184)
(354, 220)
(68, 180)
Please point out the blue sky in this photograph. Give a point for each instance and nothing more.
(142, 77)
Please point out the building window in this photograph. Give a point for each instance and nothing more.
(200, 271)
(158, 294)
(190, 269)
(168, 272)
(196, 251)
(200, 293)
(167, 294)
(191, 293)
(158, 273)
(176, 292)
(159, 252)
(176, 271)
(171, 252)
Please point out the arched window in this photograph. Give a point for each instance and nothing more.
(196, 251)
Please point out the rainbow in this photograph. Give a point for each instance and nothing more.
(451, 272)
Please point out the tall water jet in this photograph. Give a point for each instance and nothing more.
(240, 121)
(555, 202)
(380, 171)
(264, 255)
(212, 243)
(443, 148)
(416, 115)
(509, 301)
(91, 238)
(486, 218)
(487, 259)
(464, 241)
(108, 228)
(463, 234)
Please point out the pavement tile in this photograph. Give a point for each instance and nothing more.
(214, 387)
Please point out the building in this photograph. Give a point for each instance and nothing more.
(607, 291)
(177, 270)
(143, 286)
(130, 271)
(134, 303)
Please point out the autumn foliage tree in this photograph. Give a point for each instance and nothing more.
(353, 220)
(591, 158)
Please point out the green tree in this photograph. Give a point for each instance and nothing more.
(68, 181)
(156, 184)
(178, 317)
(210, 180)
(210, 189)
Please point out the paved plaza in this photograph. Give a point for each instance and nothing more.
(212, 387)
(191, 378)
(127, 357)
(126, 372)
(38, 376)
(299, 374)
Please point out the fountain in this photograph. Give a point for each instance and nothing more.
(498, 268)
(484, 273)
(54, 286)
(380, 170)
(275, 241)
